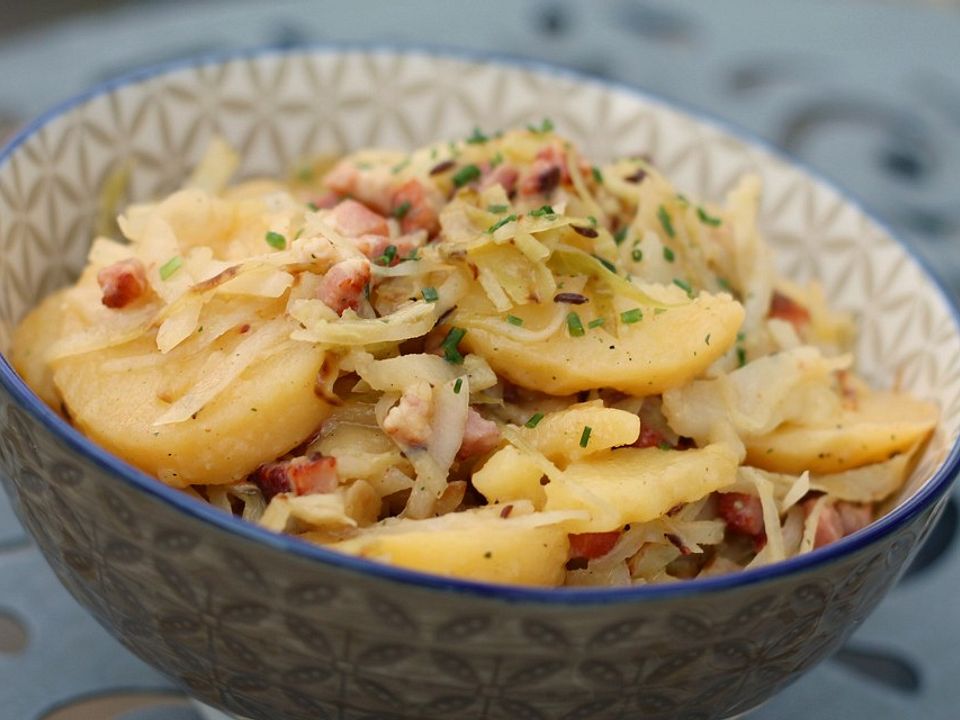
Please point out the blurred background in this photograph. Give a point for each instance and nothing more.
(867, 92)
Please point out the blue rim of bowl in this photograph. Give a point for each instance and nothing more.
(931, 491)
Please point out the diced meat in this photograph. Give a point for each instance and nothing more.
(743, 513)
(548, 170)
(354, 219)
(418, 213)
(301, 476)
(786, 308)
(374, 246)
(649, 437)
(837, 520)
(592, 545)
(479, 436)
(505, 176)
(370, 186)
(408, 422)
(122, 283)
(342, 286)
(328, 200)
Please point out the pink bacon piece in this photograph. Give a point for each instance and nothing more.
(479, 436)
(343, 285)
(122, 283)
(301, 476)
(354, 219)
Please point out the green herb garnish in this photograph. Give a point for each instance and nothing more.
(668, 254)
(684, 285)
(620, 235)
(514, 320)
(741, 357)
(477, 137)
(628, 317)
(500, 223)
(497, 209)
(457, 385)
(666, 221)
(389, 254)
(545, 127)
(585, 436)
(402, 209)
(466, 174)
(534, 420)
(706, 218)
(276, 240)
(664, 445)
(596, 322)
(574, 325)
(170, 267)
(430, 294)
(450, 350)
(597, 175)
(606, 263)
(592, 220)
(542, 210)
(496, 159)
(637, 254)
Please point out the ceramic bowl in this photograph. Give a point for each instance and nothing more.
(267, 626)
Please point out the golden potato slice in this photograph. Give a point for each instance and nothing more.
(559, 435)
(883, 424)
(498, 551)
(657, 353)
(636, 485)
(31, 340)
(115, 396)
(508, 475)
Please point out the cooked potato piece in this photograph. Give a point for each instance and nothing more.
(270, 409)
(31, 340)
(559, 435)
(498, 551)
(636, 485)
(882, 425)
(508, 475)
(659, 352)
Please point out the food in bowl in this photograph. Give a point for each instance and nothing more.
(487, 359)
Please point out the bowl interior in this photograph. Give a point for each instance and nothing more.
(277, 108)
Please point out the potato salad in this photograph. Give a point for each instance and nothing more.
(487, 358)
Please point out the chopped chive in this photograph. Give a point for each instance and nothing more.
(276, 240)
(496, 159)
(668, 254)
(684, 285)
(170, 267)
(514, 320)
(741, 357)
(606, 263)
(400, 166)
(497, 209)
(682, 199)
(389, 254)
(477, 137)
(457, 385)
(741, 336)
(574, 325)
(628, 317)
(400, 211)
(542, 210)
(313, 206)
(725, 284)
(595, 323)
(500, 223)
(706, 218)
(545, 127)
(637, 254)
(534, 420)
(592, 220)
(450, 350)
(305, 174)
(299, 233)
(597, 175)
(664, 445)
(665, 221)
(585, 436)
(430, 294)
(466, 174)
(414, 256)
(620, 235)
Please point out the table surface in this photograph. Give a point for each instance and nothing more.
(865, 92)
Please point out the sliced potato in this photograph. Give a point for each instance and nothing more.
(508, 475)
(632, 485)
(559, 435)
(883, 424)
(660, 352)
(31, 340)
(115, 396)
(496, 551)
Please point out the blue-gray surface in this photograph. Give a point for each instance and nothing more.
(866, 92)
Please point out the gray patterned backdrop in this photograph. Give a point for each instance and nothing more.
(866, 92)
